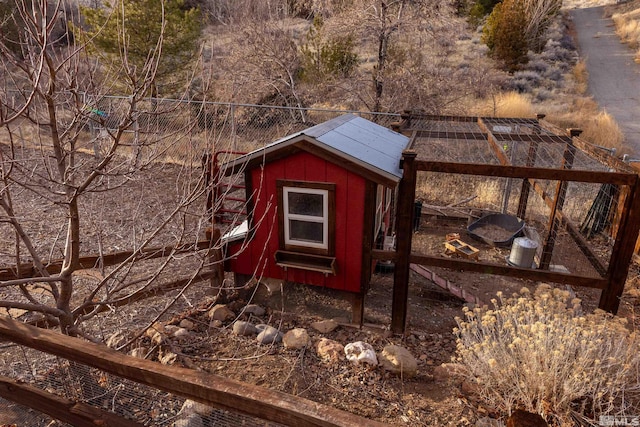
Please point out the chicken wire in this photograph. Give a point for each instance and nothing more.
(524, 143)
(79, 383)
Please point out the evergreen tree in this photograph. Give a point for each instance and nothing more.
(142, 36)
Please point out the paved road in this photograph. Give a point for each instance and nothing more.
(614, 77)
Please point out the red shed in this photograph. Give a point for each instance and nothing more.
(318, 202)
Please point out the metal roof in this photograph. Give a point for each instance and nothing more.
(367, 144)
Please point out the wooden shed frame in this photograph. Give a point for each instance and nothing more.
(613, 278)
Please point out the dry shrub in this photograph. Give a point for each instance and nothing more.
(628, 27)
(581, 76)
(508, 104)
(541, 353)
(598, 127)
(602, 129)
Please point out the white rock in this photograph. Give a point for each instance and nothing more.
(296, 338)
(398, 360)
(361, 352)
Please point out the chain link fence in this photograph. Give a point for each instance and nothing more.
(182, 131)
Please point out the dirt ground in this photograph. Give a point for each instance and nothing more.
(367, 391)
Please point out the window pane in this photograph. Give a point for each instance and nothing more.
(305, 204)
(306, 231)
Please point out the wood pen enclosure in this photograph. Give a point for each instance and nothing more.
(536, 167)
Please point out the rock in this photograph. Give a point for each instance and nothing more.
(170, 329)
(193, 420)
(118, 339)
(520, 418)
(398, 360)
(192, 407)
(215, 324)
(361, 352)
(447, 370)
(296, 338)
(241, 327)
(469, 388)
(221, 312)
(489, 422)
(168, 358)
(254, 309)
(329, 350)
(181, 334)
(325, 326)
(187, 324)
(269, 335)
(153, 329)
(139, 352)
(157, 338)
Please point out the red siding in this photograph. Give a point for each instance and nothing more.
(349, 195)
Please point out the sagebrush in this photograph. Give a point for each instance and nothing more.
(541, 353)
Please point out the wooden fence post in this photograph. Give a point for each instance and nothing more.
(558, 202)
(404, 235)
(623, 250)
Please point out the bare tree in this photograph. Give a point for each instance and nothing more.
(267, 63)
(62, 203)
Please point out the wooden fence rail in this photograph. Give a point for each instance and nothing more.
(213, 390)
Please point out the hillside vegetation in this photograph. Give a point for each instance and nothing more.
(425, 55)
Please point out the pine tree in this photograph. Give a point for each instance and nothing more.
(156, 35)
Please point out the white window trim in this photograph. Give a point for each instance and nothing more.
(308, 218)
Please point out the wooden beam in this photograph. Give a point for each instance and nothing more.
(493, 144)
(524, 172)
(74, 413)
(230, 395)
(497, 137)
(404, 235)
(558, 203)
(509, 271)
(523, 201)
(592, 151)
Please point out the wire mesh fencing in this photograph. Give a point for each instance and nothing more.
(102, 393)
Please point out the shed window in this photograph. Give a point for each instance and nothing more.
(307, 217)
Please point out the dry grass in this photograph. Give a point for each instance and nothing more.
(508, 104)
(598, 127)
(628, 27)
(580, 77)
